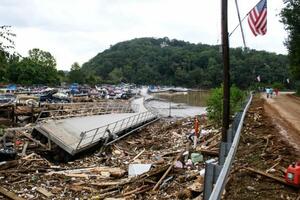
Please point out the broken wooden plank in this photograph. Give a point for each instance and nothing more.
(78, 188)
(8, 164)
(209, 152)
(114, 172)
(140, 190)
(34, 140)
(139, 154)
(24, 149)
(111, 183)
(102, 196)
(29, 156)
(167, 172)
(9, 194)
(44, 192)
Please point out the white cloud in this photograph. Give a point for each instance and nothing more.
(76, 30)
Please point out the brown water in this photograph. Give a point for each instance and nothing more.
(192, 98)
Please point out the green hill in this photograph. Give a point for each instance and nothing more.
(175, 62)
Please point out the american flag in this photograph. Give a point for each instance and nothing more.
(257, 18)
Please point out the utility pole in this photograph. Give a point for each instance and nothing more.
(225, 53)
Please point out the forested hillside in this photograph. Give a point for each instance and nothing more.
(174, 62)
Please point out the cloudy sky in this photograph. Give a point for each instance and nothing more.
(76, 30)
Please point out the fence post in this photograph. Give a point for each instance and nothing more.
(223, 152)
(212, 171)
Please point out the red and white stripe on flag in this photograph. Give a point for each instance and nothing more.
(257, 18)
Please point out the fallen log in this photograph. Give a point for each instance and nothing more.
(8, 164)
(209, 152)
(167, 172)
(280, 180)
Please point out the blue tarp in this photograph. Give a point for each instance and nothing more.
(11, 87)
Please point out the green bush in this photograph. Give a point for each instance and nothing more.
(215, 103)
(277, 85)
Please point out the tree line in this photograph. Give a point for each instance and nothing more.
(149, 61)
(290, 16)
(174, 62)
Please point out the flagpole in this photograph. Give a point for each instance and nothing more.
(238, 24)
(241, 21)
(242, 31)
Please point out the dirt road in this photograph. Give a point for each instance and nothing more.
(264, 146)
(284, 110)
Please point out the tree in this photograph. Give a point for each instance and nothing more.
(38, 68)
(215, 103)
(43, 58)
(6, 43)
(290, 16)
(61, 75)
(143, 61)
(116, 75)
(44, 65)
(76, 75)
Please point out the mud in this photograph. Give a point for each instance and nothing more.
(262, 147)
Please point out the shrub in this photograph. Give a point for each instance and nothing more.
(277, 85)
(215, 103)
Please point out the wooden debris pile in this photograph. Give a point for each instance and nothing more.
(163, 147)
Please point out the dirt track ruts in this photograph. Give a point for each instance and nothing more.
(284, 110)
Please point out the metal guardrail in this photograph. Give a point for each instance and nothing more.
(92, 136)
(216, 174)
(83, 111)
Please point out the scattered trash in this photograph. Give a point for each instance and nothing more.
(103, 175)
(178, 164)
(196, 157)
(138, 169)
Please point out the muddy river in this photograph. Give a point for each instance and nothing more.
(180, 104)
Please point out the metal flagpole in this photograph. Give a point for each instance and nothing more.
(242, 31)
(238, 25)
(240, 20)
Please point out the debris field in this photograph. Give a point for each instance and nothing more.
(156, 162)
